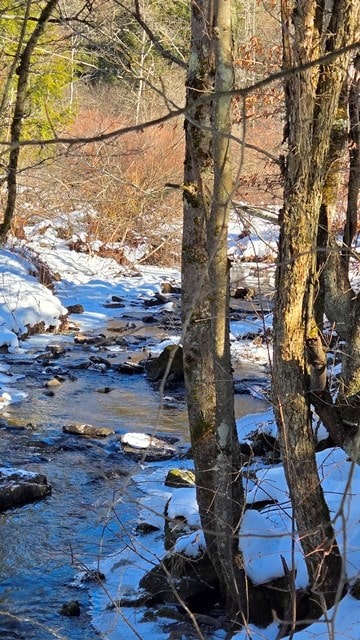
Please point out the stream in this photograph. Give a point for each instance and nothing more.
(45, 544)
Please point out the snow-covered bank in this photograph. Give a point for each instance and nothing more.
(95, 282)
(24, 302)
(266, 535)
(266, 540)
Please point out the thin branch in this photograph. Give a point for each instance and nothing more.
(176, 113)
(151, 35)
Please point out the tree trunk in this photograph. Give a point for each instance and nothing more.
(23, 72)
(205, 296)
(354, 160)
(336, 298)
(312, 97)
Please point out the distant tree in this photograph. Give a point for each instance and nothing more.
(29, 85)
(137, 47)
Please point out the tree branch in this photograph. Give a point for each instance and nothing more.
(151, 35)
(183, 111)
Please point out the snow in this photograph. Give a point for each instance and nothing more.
(6, 472)
(261, 422)
(183, 504)
(191, 545)
(266, 536)
(257, 239)
(24, 302)
(138, 440)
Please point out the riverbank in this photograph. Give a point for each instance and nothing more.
(107, 511)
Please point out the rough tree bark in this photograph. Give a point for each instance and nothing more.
(310, 29)
(205, 290)
(354, 159)
(338, 300)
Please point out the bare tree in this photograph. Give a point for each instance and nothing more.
(205, 290)
(310, 30)
(23, 73)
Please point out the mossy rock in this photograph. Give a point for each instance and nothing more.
(180, 478)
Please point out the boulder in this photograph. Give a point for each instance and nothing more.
(170, 287)
(19, 487)
(130, 368)
(198, 587)
(75, 308)
(157, 367)
(143, 445)
(355, 590)
(243, 293)
(88, 431)
(196, 581)
(71, 608)
(180, 478)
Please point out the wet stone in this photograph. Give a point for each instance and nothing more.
(146, 527)
(130, 368)
(71, 608)
(88, 431)
(93, 575)
(157, 367)
(100, 360)
(19, 487)
(75, 308)
(54, 382)
(82, 364)
(114, 305)
(56, 350)
(148, 319)
(82, 339)
(158, 299)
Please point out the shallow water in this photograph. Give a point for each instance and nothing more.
(44, 545)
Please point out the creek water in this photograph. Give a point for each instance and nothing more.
(43, 545)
